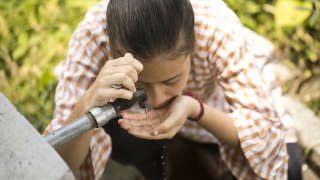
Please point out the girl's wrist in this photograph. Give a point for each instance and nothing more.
(194, 107)
(86, 102)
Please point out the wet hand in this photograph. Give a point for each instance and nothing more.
(162, 123)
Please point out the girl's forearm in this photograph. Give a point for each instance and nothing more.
(75, 151)
(220, 125)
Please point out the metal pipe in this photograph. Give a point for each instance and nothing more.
(96, 117)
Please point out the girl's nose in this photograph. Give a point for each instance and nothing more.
(157, 97)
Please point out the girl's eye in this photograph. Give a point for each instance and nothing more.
(173, 82)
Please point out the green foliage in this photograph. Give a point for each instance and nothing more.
(293, 26)
(290, 13)
(34, 35)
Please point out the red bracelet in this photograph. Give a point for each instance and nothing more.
(190, 93)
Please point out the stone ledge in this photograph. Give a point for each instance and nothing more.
(307, 125)
(24, 153)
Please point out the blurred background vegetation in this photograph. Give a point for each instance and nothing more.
(34, 35)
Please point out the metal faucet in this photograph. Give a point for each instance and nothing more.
(95, 118)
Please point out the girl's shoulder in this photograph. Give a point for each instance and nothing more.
(214, 20)
(95, 16)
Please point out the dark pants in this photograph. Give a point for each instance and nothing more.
(183, 159)
(191, 160)
(295, 161)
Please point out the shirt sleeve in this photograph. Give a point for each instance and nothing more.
(260, 131)
(87, 53)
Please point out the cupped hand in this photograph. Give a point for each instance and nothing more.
(161, 123)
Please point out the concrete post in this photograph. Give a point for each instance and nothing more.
(24, 153)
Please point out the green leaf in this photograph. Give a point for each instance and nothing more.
(252, 7)
(22, 46)
(290, 13)
(315, 18)
(76, 3)
(4, 30)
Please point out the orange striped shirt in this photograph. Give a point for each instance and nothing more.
(232, 70)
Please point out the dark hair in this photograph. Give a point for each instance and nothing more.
(148, 28)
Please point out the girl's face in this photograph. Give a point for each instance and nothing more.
(164, 79)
